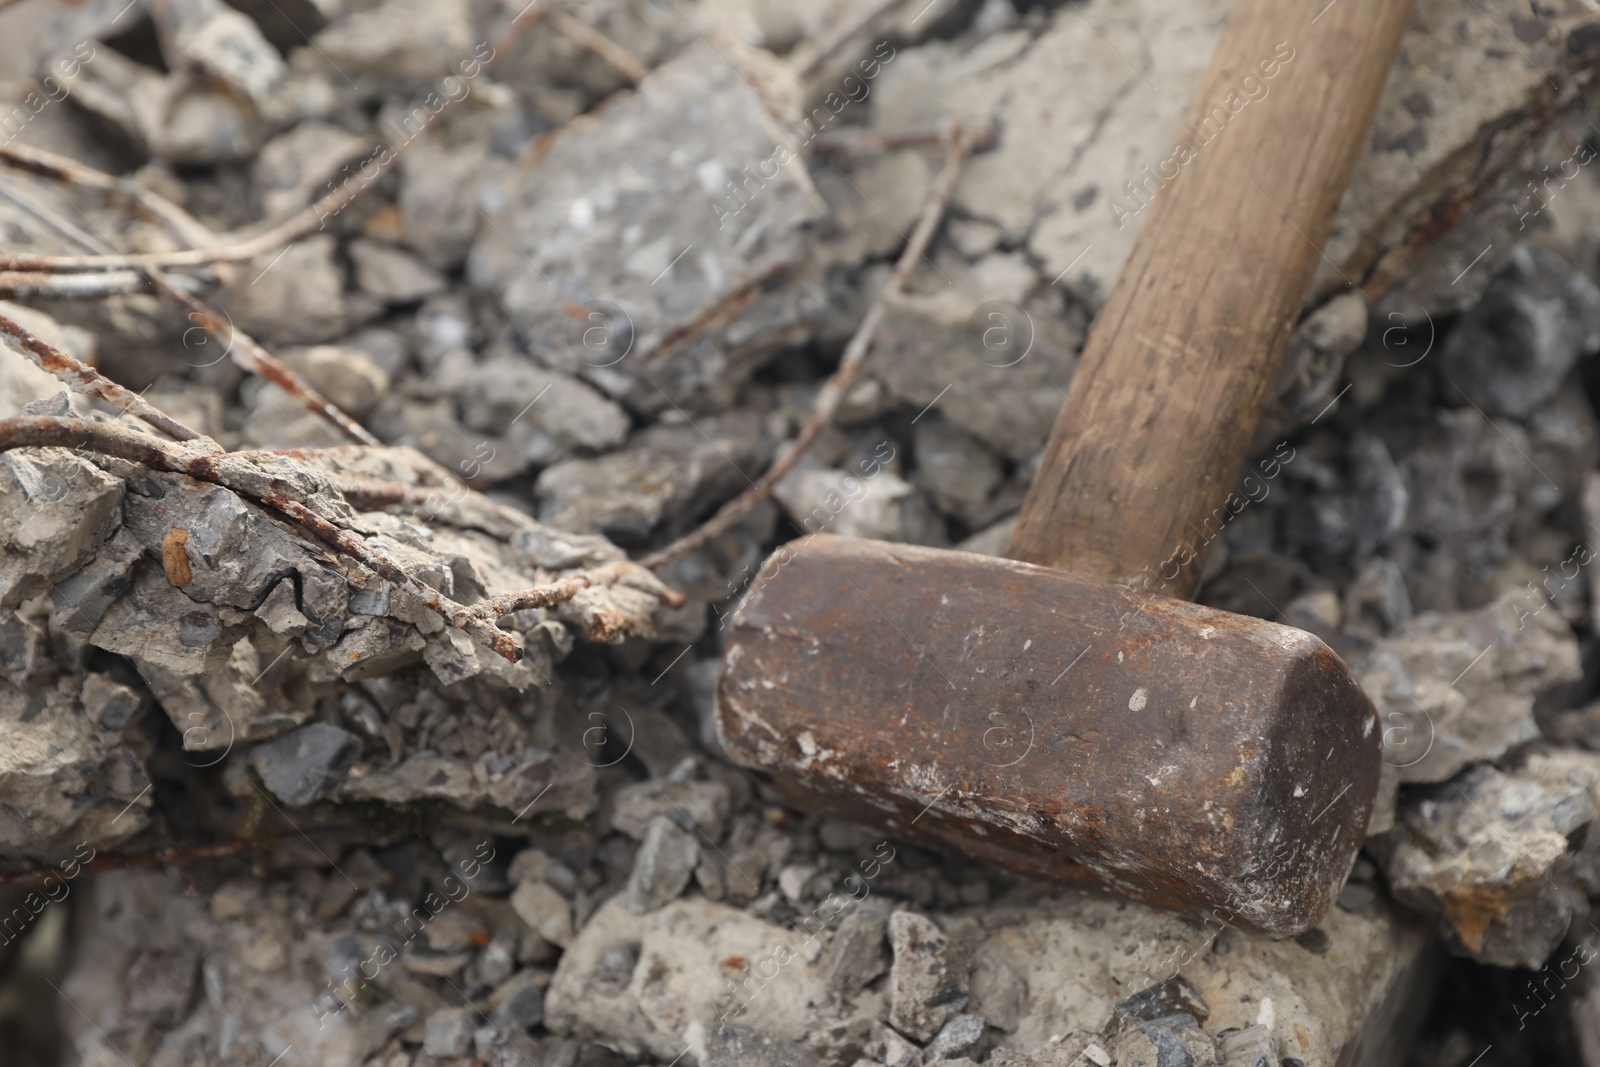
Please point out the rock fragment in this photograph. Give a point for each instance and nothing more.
(301, 766)
(958, 1038)
(448, 1032)
(1490, 853)
(1512, 351)
(888, 1047)
(392, 274)
(739, 1046)
(545, 911)
(699, 807)
(924, 990)
(663, 866)
(990, 351)
(294, 168)
(161, 984)
(652, 224)
(547, 413)
(1166, 1041)
(518, 1002)
(55, 511)
(72, 775)
(959, 474)
(1250, 1046)
(855, 954)
(1451, 689)
(666, 471)
(884, 508)
(305, 277)
(999, 993)
(1170, 996)
(400, 41)
(644, 979)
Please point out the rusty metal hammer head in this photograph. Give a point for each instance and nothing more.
(1068, 717)
(1056, 726)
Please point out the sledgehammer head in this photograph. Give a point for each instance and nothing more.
(1057, 727)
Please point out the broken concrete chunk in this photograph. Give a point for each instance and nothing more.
(545, 911)
(1510, 353)
(56, 509)
(652, 221)
(959, 1038)
(959, 474)
(663, 866)
(298, 166)
(1250, 1046)
(889, 1047)
(212, 39)
(111, 703)
(1457, 688)
(448, 1032)
(740, 1046)
(401, 41)
(1311, 369)
(440, 188)
(1075, 1048)
(515, 397)
(1376, 602)
(182, 117)
(999, 993)
(1489, 853)
(161, 983)
(1171, 996)
(924, 989)
(347, 376)
(665, 472)
(67, 775)
(699, 807)
(991, 353)
(645, 979)
(884, 508)
(262, 971)
(392, 274)
(518, 1002)
(1468, 481)
(305, 277)
(855, 954)
(1167, 1041)
(301, 766)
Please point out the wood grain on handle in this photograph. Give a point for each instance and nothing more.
(1135, 479)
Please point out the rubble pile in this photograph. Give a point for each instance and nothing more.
(581, 273)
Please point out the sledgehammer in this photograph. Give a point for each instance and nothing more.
(1064, 714)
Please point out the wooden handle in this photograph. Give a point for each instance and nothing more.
(1137, 476)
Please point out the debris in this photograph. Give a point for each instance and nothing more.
(518, 1002)
(1250, 1046)
(642, 979)
(635, 311)
(663, 866)
(1511, 352)
(1166, 1041)
(958, 1038)
(924, 990)
(448, 1032)
(607, 273)
(1172, 996)
(545, 911)
(1452, 689)
(698, 807)
(1489, 852)
(855, 954)
(301, 766)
